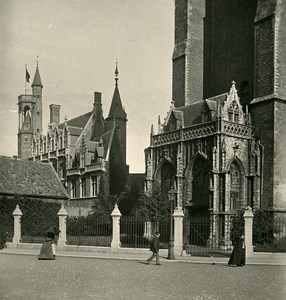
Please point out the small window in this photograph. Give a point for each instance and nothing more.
(73, 188)
(94, 185)
(83, 187)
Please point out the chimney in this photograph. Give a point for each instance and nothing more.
(55, 113)
(98, 120)
(97, 97)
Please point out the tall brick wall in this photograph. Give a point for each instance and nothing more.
(280, 24)
(263, 120)
(179, 81)
(188, 52)
(279, 155)
(229, 47)
(264, 57)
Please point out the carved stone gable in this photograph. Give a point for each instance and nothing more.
(232, 109)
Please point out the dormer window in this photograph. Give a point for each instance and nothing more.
(233, 112)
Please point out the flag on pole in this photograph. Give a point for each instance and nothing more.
(27, 76)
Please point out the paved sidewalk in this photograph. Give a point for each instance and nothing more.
(142, 254)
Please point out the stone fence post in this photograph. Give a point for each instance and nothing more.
(178, 216)
(115, 243)
(62, 214)
(17, 226)
(248, 229)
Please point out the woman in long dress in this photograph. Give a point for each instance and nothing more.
(47, 248)
(237, 258)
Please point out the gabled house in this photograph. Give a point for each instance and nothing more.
(36, 180)
(88, 152)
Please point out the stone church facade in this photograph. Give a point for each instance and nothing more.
(88, 152)
(222, 142)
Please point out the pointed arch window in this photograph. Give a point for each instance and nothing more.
(167, 177)
(235, 187)
(61, 141)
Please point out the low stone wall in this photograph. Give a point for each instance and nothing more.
(74, 248)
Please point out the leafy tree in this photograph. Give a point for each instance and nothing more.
(155, 207)
(263, 227)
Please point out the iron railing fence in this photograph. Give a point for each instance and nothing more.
(271, 236)
(137, 232)
(10, 233)
(35, 234)
(92, 230)
(208, 235)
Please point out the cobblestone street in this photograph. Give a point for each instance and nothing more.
(25, 277)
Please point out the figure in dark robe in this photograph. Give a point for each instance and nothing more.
(237, 258)
(46, 252)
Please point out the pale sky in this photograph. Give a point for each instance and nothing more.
(78, 42)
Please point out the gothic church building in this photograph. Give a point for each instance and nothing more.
(222, 144)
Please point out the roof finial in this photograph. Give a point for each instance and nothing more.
(116, 73)
(37, 61)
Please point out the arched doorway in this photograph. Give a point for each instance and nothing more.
(197, 205)
(197, 187)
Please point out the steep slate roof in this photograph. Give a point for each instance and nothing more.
(107, 141)
(37, 79)
(78, 121)
(116, 109)
(29, 178)
(218, 98)
(192, 113)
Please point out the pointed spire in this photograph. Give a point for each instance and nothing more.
(116, 74)
(159, 125)
(37, 78)
(152, 130)
(116, 108)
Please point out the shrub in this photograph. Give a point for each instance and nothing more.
(37, 217)
(263, 227)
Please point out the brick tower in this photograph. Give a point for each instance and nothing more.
(187, 54)
(30, 117)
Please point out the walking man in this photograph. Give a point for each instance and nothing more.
(154, 247)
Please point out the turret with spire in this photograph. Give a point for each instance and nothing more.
(37, 87)
(30, 116)
(118, 114)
